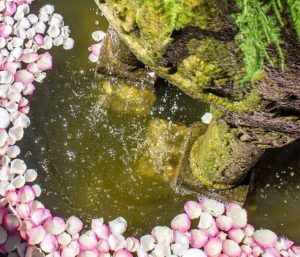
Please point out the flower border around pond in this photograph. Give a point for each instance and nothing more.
(28, 229)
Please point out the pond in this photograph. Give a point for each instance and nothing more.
(85, 153)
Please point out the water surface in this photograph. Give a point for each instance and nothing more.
(85, 153)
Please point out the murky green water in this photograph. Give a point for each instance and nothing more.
(85, 153)
(275, 201)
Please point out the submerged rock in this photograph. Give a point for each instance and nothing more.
(127, 97)
(164, 150)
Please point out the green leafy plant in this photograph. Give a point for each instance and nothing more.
(177, 13)
(259, 28)
(294, 9)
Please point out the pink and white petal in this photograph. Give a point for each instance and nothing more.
(224, 223)
(49, 244)
(236, 235)
(181, 223)
(194, 253)
(88, 241)
(36, 235)
(193, 209)
(26, 194)
(213, 247)
(39, 215)
(11, 222)
(103, 246)
(3, 235)
(198, 238)
(88, 253)
(231, 248)
(74, 225)
(55, 226)
(45, 62)
(23, 210)
(24, 76)
(116, 242)
(29, 57)
(12, 242)
(238, 215)
(265, 238)
(213, 207)
(118, 226)
(102, 232)
(122, 253)
(39, 39)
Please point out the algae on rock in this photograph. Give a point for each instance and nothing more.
(218, 159)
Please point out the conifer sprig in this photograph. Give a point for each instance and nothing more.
(259, 28)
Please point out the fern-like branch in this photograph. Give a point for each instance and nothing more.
(259, 28)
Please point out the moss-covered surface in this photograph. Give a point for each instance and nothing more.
(210, 63)
(152, 22)
(207, 67)
(147, 28)
(219, 159)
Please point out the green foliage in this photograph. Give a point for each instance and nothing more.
(177, 13)
(294, 9)
(172, 12)
(259, 24)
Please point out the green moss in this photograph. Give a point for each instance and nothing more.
(294, 10)
(154, 31)
(178, 13)
(211, 155)
(218, 54)
(211, 64)
(219, 159)
(251, 102)
(152, 22)
(124, 10)
(207, 67)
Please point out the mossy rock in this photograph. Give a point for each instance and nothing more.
(219, 159)
(189, 43)
(117, 60)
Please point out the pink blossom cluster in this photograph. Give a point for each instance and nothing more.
(95, 49)
(22, 35)
(28, 229)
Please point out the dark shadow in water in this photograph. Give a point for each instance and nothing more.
(274, 201)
